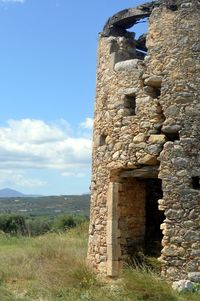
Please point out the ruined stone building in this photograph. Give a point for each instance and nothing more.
(146, 144)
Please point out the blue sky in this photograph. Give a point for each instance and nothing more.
(47, 90)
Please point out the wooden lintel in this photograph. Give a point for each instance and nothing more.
(146, 172)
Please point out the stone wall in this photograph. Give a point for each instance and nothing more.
(175, 57)
(147, 117)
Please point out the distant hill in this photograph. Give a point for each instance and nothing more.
(13, 201)
(10, 193)
(45, 205)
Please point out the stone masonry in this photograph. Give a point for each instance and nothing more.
(146, 142)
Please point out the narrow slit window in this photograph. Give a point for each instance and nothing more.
(130, 104)
(157, 92)
(196, 183)
(102, 140)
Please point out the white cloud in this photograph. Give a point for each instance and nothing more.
(32, 131)
(87, 124)
(73, 174)
(19, 178)
(12, 1)
(34, 144)
(30, 148)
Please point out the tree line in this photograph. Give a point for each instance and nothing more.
(16, 224)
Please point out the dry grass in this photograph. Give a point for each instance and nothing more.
(52, 268)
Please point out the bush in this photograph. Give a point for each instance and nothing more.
(38, 225)
(13, 224)
(64, 222)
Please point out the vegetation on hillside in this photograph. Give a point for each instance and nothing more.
(16, 224)
(52, 267)
(46, 206)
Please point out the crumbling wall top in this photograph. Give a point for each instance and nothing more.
(129, 17)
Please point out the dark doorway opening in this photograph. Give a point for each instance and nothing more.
(139, 217)
(154, 217)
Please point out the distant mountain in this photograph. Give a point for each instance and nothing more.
(11, 193)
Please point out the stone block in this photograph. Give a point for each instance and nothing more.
(194, 276)
(153, 81)
(148, 160)
(126, 65)
(139, 138)
(183, 286)
(157, 139)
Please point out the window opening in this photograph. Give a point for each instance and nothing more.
(102, 140)
(196, 183)
(130, 103)
(157, 92)
(172, 136)
(141, 54)
(140, 29)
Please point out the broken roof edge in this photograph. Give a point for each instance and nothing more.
(129, 17)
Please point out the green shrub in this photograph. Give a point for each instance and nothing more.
(64, 222)
(38, 225)
(13, 224)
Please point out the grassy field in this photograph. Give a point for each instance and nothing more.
(52, 268)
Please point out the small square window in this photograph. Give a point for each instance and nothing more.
(130, 103)
(196, 182)
(172, 136)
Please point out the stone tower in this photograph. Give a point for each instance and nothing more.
(146, 145)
